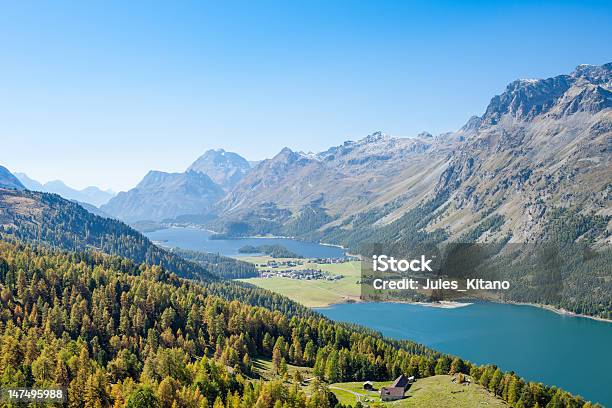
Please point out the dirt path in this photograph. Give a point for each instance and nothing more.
(356, 394)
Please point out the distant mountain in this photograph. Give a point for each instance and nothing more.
(91, 195)
(93, 209)
(8, 180)
(29, 183)
(344, 180)
(161, 196)
(224, 168)
(50, 219)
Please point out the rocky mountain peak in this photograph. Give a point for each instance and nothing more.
(472, 124)
(595, 74)
(375, 137)
(161, 195)
(526, 98)
(586, 89)
(286, 155)
(151, 178)
(154, 179)
(223, 167)
(425, 135)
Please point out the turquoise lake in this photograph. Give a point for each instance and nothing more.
(198, 239)
(572, 353)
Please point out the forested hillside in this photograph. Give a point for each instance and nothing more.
(48, 218)
(116, 333)
(222, 266)
(51, 220)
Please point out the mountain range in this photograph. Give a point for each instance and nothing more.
(541, 149)
(37, 217)
(534, 168)
(89, 195)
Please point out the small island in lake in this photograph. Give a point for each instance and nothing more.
(275, 251)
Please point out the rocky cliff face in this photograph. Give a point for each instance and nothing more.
(587, 89)
(542, 144)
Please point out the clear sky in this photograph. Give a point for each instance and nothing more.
(100, 93)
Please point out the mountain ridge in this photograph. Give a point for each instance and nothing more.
(539, 145)
(8, 179)
(50, 219)
(90, 195)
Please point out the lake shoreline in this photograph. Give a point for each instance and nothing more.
(450, 305)
(267, 236)
(202, 239)
(439, 305)
(455, 305)
(559, 311)
(539, 346)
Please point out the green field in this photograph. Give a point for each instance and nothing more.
(313, 293)
(265, 369)
(432, 392)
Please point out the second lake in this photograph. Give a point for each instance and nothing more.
(199, 240)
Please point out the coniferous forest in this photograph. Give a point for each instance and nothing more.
(118, 333)
(406, 200)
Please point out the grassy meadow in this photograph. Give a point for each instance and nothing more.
(312, 293)
(432, 392)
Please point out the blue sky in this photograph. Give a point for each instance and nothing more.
(99, 93)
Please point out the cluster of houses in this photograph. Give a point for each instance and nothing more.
(287, 269)
(290, 263)
(302, 274)
(393, 392)
(283, 264)
(324, 261)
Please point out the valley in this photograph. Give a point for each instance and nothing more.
(532, 171)
(312, 293)
(478, 330)
(178, 315)
(307, 204)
